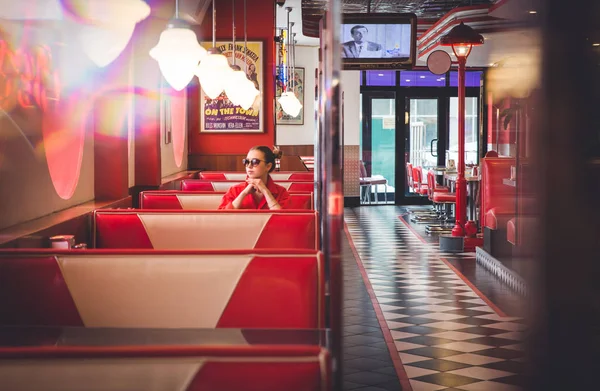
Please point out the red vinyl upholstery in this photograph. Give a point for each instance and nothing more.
(222, 186)
(158, 289)
(521, 229)
(409, 178)
(198, 230)
(240, 176)
(511, 234)
(418, 185)
(195, 368)
(206, 200)
(497, 199)
(433, 190)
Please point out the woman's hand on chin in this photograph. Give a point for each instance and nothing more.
(257, 184)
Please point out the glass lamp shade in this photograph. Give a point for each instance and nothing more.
(249, 94)
(103, 44)
(213, 73)
(178, 53)
(290, 104)
(462, 50)
(235, 86)
(106, 27)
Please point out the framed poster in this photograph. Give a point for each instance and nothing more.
(297, 83)
(220, 115)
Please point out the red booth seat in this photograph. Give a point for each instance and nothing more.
(241, 176)
(511, 234)
(206, 200)
(158, 289)
(519, 228)
(222, 186)
(498, 216)
(292, 368)
(497, 199)
(197, 230)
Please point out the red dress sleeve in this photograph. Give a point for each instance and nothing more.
(283, 197)
(228, 198)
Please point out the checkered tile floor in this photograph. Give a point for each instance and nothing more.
(447, 337)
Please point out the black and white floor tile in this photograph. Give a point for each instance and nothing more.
(447, 336)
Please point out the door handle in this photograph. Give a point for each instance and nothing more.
(431, 148)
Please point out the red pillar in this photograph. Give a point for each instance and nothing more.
(461, 184)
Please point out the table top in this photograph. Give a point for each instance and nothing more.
(57, 337)
(509, 182)
(452, 177)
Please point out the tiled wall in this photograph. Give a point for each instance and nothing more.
(351, 171)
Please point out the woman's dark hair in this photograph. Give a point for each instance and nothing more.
(270, 155)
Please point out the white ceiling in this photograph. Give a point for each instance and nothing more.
(296, 17)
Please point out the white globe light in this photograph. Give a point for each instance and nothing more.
(111, 24)
(213, 73)
(235, 85)
(296, 107)
(290, 104)
(249, 94)
(103, 44)
(178, 53)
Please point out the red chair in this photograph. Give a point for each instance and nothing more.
(365, 185)
(409, 177)
(440, 196)
(418, 186)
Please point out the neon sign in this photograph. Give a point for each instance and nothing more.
(28, 78)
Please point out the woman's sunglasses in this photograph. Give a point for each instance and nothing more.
(253, 162)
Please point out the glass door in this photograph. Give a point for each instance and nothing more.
(424, 139)
(471, 131)
(378, 147)
(423, 132)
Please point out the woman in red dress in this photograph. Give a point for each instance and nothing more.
(259, 191)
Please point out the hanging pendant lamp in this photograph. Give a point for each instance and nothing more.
(178, 52)
(288, 100)
(250, 94)
(214, 70)
(234, 85)
(106, 26)
(240, 90)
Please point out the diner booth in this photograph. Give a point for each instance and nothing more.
(118, 270)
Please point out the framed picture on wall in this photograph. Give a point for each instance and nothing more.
(220, 115)
(297, 83)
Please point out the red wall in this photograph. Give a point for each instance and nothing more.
(261, 27)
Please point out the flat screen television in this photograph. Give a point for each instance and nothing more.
(378, 41)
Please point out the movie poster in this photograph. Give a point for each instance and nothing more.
(220, 115)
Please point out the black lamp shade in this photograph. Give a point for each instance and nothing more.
(462, 35)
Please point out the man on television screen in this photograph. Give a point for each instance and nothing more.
(360, 47)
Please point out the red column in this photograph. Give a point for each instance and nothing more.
(461, 184)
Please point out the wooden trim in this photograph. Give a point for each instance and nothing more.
(72, 221)
(298, 150)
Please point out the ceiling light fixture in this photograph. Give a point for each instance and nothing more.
(108, 27)
(238, 88)
(178, 52)
(214, 69)
(289, 102)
